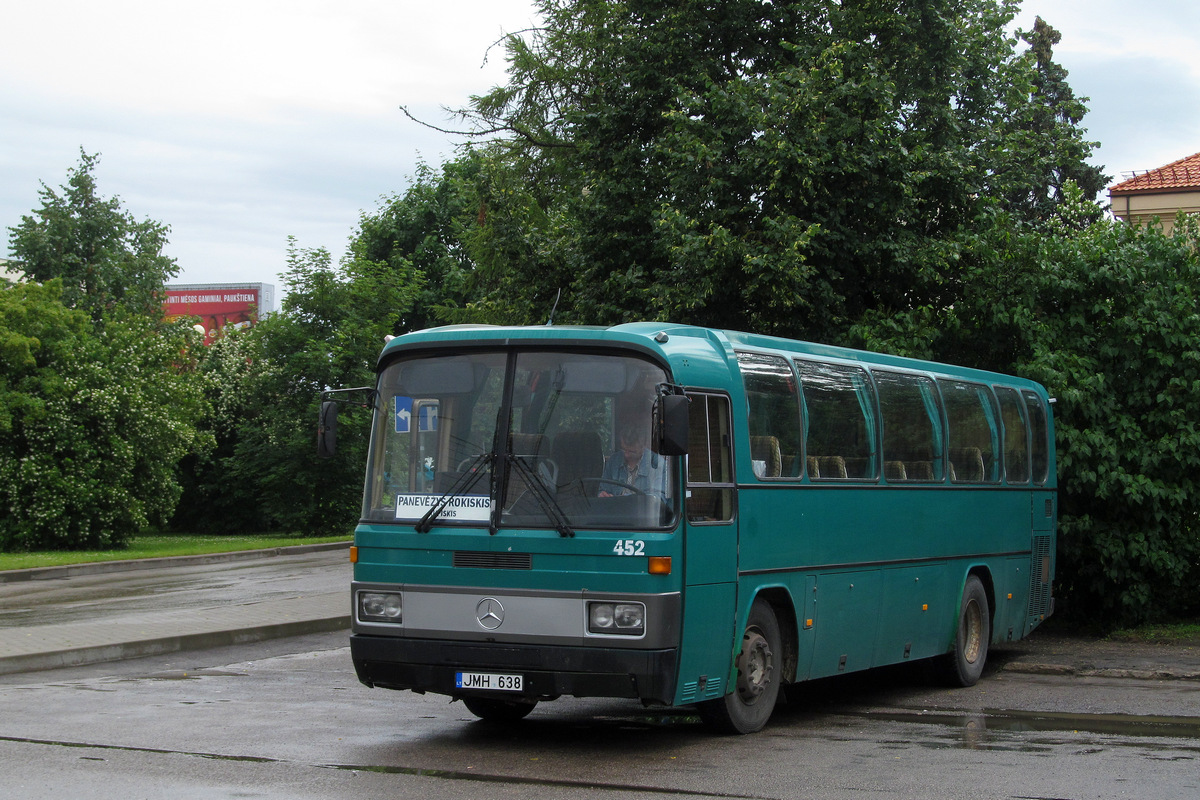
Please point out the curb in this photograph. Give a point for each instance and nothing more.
(129, 565)
(1102, 672)
(82, 656)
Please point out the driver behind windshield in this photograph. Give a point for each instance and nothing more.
(634, 465)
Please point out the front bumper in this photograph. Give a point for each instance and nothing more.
(425, 665)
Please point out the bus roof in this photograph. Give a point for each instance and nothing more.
(688, 349)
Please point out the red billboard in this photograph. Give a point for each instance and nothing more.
(217, 305)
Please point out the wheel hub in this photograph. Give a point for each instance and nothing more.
(755, 664)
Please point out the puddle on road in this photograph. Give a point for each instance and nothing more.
(188, 675)
(974, 727)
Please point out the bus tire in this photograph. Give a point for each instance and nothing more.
(759, 672)
(964, 664)
(494, 709)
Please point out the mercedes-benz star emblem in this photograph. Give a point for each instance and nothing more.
(489, 613)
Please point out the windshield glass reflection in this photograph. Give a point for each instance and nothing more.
(563, 442)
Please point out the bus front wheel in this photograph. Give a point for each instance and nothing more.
(964, 664)
(759, 672)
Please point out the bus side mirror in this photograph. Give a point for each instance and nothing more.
(327, 430)
(671, 425)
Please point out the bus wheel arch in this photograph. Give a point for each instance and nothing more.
(782, 604)
(758, 675)
(964, 664)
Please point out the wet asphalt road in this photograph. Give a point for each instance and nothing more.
(287, 719)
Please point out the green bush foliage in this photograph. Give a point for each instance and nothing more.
(1107, 317)
(1116, 340)
(92, 422)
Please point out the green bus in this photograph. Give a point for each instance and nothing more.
(686, 516)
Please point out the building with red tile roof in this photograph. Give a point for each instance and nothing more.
(1159, 193)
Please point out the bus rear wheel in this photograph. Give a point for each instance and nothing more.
(759, 672)
(964, 664)
(493, 709)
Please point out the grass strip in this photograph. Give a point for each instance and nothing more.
(1160, 633)
(158, 546)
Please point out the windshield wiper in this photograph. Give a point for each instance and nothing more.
(546, 500)
(474, 471)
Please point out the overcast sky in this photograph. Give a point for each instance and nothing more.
(239, 122)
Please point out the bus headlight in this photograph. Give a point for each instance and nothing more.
(621, 619)
(380, 607)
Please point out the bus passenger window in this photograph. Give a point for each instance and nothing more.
(974, 432)
(1040, 430)
(839, 422)
(709, 460)
(1016, 436)
(776, 450)
(912, 428)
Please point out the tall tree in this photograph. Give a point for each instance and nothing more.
(421, 237)
(781, 166)
(104, 256)
(1045, 137)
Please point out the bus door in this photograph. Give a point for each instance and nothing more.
(710, 552)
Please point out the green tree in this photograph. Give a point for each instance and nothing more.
(421, 238)
(104, 256)
(409, 266)
(264, 386)
(1045, 138)
(92, 422)
(214, 498)
(785, 167)
(1105, 315)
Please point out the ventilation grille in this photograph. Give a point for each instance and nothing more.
(1039, 588)
(493, 560)
(695, 691)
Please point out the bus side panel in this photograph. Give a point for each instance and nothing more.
(806, 621)
(918, 604)
(706, 657)
(849, 609)
(1012, 601)
(778, 527)
(890, 564)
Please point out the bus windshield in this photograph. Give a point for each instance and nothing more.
(528, 439)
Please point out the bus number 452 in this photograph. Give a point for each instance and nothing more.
(630, 547)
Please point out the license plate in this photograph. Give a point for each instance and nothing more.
(489, 682)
